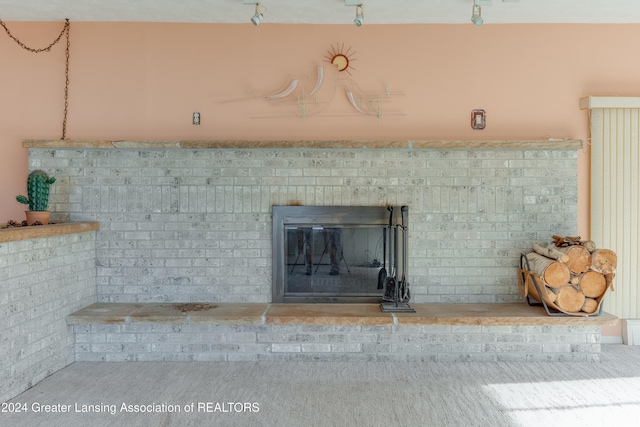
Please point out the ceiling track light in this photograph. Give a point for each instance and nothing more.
(359, 16)
(476, 15)
(256, 19)
(359, 11)
(258, 16)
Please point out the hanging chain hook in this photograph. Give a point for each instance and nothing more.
(66, 82)
(65, 31)
(30, 49)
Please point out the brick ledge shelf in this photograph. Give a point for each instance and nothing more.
(13, 234)
(331, 332)
(546, 144)
(498, 314)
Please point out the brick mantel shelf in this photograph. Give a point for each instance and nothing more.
(541, 144)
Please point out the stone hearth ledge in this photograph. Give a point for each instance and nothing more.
(13, 234)
(508, 314)
(536, 144)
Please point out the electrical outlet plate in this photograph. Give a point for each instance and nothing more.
(195, 118)
(478, 119)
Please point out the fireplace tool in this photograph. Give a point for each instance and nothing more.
(403, 286)
(382, 274)
(396, 292)
(389, 283)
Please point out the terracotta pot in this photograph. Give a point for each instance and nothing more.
(38, 216)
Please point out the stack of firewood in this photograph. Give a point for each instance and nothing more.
(572, 275)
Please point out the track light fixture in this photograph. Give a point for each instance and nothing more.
(257, 17)
(359, 11)
(476, 15)
(359, 16)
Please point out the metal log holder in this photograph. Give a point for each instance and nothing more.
(522, 283)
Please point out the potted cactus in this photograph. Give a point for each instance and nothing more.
(37, 198)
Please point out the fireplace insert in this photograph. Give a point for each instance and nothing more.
(330, 253)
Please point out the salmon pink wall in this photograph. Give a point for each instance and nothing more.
(144, 80)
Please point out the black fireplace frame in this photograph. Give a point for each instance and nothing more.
(318, 216)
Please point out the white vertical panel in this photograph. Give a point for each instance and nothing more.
(615, 200)
(634, 213)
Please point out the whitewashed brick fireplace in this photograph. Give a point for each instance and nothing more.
(184, 221)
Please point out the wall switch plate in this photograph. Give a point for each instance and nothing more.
(478, 119)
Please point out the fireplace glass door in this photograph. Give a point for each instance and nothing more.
(329, 254)
(340, 261)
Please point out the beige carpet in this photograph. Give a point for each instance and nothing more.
(340, 394)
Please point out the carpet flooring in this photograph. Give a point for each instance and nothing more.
(285, 393)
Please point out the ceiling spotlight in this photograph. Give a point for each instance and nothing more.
(256, 19)
(359, 16)
(359, 11)
(476, 15)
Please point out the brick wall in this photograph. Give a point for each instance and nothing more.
(433, 343)
(181, 225)
(42, 280)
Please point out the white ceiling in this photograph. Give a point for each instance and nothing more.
(324, 11)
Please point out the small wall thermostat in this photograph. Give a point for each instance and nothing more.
(478, 119)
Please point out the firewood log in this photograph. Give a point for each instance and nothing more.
(589, 245)
(569, 299)
(593, 284)
(579, 258)
(590, 305)
(550, 252)
(604, 261)
(553, 273)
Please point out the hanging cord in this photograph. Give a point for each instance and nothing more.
(66, 80)
(65, 32)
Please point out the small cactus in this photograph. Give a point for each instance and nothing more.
(38, 191)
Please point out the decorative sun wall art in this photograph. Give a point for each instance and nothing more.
(341, 58)
(310, 95)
